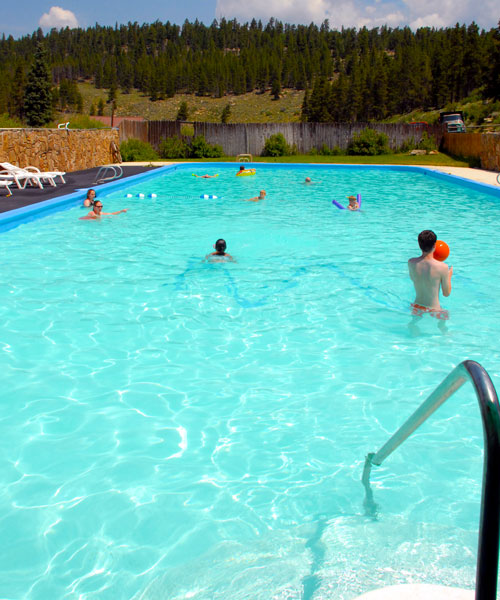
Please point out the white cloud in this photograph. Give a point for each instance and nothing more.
(369, 13)
(58, 17)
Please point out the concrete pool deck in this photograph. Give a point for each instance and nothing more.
(76, 180)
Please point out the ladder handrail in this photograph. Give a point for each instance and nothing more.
(116, 175)
(489, 522)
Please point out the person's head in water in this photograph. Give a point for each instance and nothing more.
(262, 194)
(242, 168)
(308, 180)
(220, 246)
(427, 240)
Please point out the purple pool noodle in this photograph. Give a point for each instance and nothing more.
(338, 205)
(358, 198)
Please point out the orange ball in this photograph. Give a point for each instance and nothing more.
(441, 251)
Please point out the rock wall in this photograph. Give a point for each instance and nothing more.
(485, 146)
(58, 149)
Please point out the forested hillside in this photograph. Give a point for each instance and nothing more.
(348, 75)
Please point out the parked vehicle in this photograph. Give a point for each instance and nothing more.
(454, 121)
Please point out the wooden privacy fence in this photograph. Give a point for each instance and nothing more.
(485, 146)
(249, 138)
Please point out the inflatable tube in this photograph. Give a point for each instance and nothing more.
(208, 197)
(245, 172)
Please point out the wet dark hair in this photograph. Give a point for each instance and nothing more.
(91, 190)
(220, 246)
(427, 240)
(242, 168)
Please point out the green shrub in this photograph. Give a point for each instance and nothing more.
(135, 150)
(276, 145)
(174, 147)
(427, 142)
(187, 130)
(368, 143)
(327, 151)
(83, 122)
(407, 146)
(6, 121)
(201, 149)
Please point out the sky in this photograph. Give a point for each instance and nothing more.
(25, 16)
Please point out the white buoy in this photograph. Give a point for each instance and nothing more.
(128, 195)
(140, 195)
(153, 196)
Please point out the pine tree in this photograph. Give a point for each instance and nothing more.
(226, 113)
(16, 99)
(182, 113)
(493, 76)
(276, 87)
(38, 92)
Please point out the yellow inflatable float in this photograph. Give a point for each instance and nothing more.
(242, 172)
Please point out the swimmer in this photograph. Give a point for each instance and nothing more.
(89, 200)
(96, 212)
(243, 170)
(220, 252)
(261, 196)
(308, 181)
(353, 203)
(207, 176)
(429, 276)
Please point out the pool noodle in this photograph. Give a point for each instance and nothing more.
(338, 205)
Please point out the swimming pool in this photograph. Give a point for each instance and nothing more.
(177, 429)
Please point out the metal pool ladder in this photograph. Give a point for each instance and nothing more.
(108, 173)
(489, 523)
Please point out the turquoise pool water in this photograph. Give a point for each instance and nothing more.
(175, 429)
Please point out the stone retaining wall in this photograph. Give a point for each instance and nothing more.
(57, 149)
(485, 146)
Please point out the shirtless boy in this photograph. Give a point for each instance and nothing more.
(429, 276)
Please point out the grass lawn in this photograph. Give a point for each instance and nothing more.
(382, 159)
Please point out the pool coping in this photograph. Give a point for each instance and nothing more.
(14, 218)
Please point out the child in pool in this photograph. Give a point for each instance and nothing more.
(353, 203)
(220, 253)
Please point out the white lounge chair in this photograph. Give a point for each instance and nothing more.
(50, 175)
(21, 177)
(32, 175)
(5, 184)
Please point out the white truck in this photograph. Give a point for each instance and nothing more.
(454, 121)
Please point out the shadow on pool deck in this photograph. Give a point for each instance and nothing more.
(78, 179)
